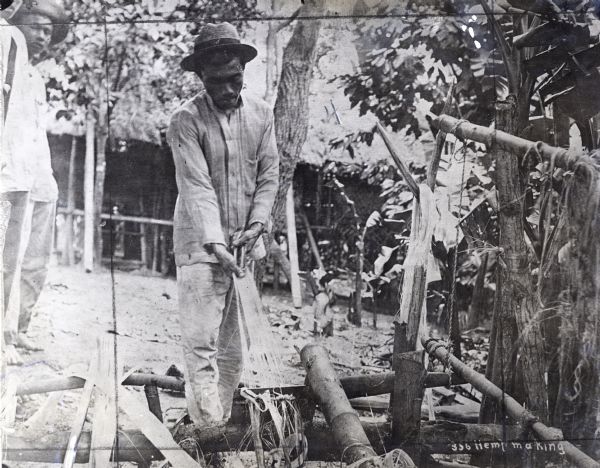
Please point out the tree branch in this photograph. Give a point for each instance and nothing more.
(289, 20)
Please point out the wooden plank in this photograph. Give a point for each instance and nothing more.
(82, 410)
(88, 197)
(36, 424)
(104, 426)
(293, 248)
(155, 431)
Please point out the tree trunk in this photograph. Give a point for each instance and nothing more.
(271, 64)
(68, 257)
(291, 105)
(88, 188)
(518, 288)
(101, 141)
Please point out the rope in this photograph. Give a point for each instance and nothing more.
(451, 308)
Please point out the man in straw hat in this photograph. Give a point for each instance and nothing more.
(226, 163)
(34, 189)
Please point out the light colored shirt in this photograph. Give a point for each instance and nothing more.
(44, 187)
(227, 171)
(16, 171)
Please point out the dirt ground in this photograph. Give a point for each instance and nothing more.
(75, 308)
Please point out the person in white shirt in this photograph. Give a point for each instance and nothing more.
(43, 24)
(16, 176)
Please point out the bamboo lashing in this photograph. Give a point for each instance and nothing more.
(464, 129)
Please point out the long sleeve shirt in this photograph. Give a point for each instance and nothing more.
(37, 149)
(227, 170)
(17, 172)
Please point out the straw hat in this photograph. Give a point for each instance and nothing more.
(214, 37)
(51, 9)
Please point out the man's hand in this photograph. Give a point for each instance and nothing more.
(248, 237)
(227, 260)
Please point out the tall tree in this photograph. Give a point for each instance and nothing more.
(291, 105)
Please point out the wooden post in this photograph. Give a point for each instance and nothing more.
(408, 365)
(293, 249)
(68, 256)
(518, 292)
(311, 240)
(88, 201)
(164, 257)
(104, 424)
(143, 246)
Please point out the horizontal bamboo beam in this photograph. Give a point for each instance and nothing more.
(113, 217)
(354, 386)
(511, 406)
(436, 437)
(464, 129)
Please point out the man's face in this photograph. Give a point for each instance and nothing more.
(37, 30)
(224, 83)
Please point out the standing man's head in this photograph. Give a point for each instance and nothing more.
(219, 59)
(43, 23)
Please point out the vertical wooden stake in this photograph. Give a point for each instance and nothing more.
(88, 200)
(293, 248)
(311, 240)
(68, 257)
(151, 391)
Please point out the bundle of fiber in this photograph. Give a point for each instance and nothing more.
(263, 365)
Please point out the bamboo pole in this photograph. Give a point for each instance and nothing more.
(354, 386)
(124, 218)
(518, 146)
(88, 201)
(511, 406)
(293, 249)
(350, 438)
(348, 433)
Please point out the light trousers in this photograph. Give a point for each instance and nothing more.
(36, 259)
(212, 348)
